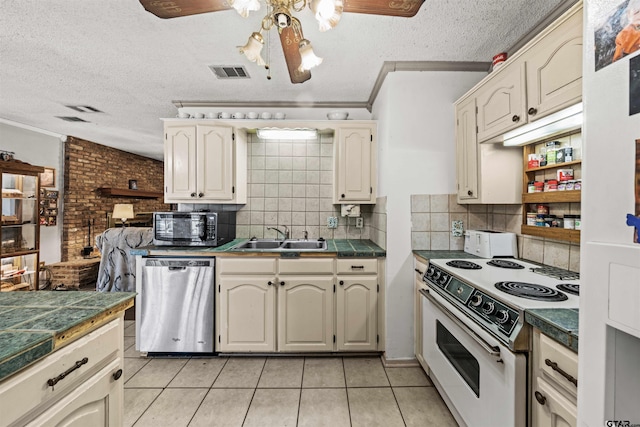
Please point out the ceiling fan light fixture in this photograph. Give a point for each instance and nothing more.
(243, 7)
(282, 17)
(307, 56)
(253, 48)
(327, 12)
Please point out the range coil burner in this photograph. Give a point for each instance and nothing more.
(531, 291)
(466, 265)
(571, 288)
(503, 263)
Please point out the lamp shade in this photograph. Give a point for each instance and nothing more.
(327, 12)
(123, 211)
(308, 58)
(253, 48)
(243, 7)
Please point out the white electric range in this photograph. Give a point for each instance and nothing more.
(475, 339)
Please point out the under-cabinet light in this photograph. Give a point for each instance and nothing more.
(288, 134)
(554, 124)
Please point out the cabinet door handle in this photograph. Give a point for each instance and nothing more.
(559, 370)
(53, 381)
(469, 193)
(357, 267)
(342, 196)
(341, 282)
(281, 283)
(540, 398)
(117, 374)
(419, 272)
(193, 194)
(515, 118)
(532, 111)
(269, 283)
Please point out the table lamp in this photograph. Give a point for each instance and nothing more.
(123, 211)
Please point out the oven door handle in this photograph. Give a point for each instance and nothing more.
(491, 349)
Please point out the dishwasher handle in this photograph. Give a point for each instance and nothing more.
(177, 268)
(175, 264)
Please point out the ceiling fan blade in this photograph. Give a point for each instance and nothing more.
(175, 8)
(290, 40)
(404, 8)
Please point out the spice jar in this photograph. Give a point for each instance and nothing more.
(539, 186)
(577, 185)
(542, 209)
(551, 185)
(531, 188)
(531, 218)
(570, 221)
(540, 220)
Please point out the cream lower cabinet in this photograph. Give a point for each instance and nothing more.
(554, 394)
(295, 305)
(357, 305)
(419, 268)
(90, 395)
(246, 304)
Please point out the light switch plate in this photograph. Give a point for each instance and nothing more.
(457, 228)
(332, 222)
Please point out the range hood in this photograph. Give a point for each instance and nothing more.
(547, 127)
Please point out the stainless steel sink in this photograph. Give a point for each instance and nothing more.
(279, 245)
(259, 244)
(304, 245)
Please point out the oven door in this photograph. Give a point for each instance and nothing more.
(482, 381)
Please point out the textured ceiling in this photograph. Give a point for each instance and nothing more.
(116, 57)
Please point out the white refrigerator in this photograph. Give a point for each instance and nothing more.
(609, 335)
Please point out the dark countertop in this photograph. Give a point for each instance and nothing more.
(559, 324)
(335, 247)
(34, 324)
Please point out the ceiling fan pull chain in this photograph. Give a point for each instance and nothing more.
(268, 64)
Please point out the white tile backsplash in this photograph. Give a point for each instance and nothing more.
(440, 209)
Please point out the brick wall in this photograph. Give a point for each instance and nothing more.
(89, 166)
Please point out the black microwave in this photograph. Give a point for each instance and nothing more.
(193, 228)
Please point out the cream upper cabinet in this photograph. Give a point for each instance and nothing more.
(305, 313)
(487, 173)
(554, 67)
(247, 314)
(501, 103)
(466, 150)
(204, 163)
(355, 164)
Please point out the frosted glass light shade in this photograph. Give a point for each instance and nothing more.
(243, 7)
(309, 59)
(327, 12)
(253, 48)
(287, 133)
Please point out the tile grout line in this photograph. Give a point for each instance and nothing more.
(346, 391)
(255, 389)
(208, 390)
(394, 394)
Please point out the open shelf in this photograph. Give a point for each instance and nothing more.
(552, 233)
(125, 192)
(572, 196)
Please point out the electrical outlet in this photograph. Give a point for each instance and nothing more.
(457, 228)
(359, 222)
(332, 222)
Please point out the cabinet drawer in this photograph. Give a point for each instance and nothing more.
(566, 360)
(358, 266)
(306, 266)
(246, 265)
(28, 389)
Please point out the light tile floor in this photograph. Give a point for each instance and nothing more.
(276, 391)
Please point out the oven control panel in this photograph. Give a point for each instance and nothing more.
(493, 311)
(449, 284)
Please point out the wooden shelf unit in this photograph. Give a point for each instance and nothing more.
(570, 196)
(124, 192)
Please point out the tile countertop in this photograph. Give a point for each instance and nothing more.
(560, 324)
(335, 247)
(34, 324)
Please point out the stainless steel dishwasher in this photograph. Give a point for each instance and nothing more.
(175, 305)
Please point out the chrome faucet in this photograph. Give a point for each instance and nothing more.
(285, 233)
(306, 235)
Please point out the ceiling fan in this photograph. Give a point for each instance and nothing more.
(297, 50)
